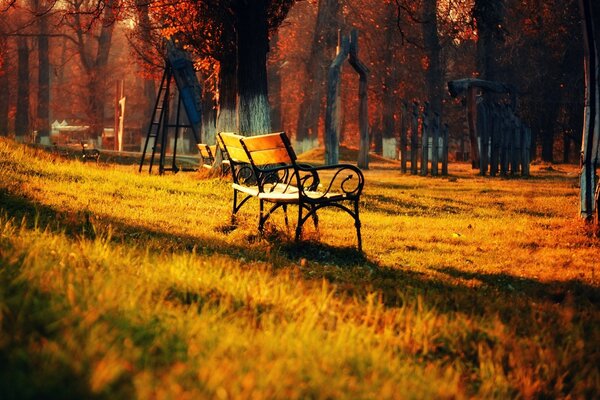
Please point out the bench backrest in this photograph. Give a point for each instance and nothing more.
(269, 149)
(206, 152)
(233, 145)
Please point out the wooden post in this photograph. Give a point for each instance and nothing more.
(504, 154)
(472, 118)
(435, 145)
(426, 124)
(483, 134)
(333, 110)
(513, 145)
(526, 148)
(518, 148)
(403, 142)
(495, 142)
(445, 150)
(363, 109)
(118, 97)
(414, 138)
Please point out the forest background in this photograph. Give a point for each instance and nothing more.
(61, 61)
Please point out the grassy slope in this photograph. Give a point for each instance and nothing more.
(117, 285)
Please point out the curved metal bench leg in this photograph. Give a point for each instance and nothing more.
(234, 210)
(285, 216)
(300, 222)
(261, 219)
(357, 225)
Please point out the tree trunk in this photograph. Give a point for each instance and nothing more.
(142, 7)
(4, 88)
(488, 15)
(253, 46)
(591, 126)
(22, 115)
(433, 75)
(43, 106)
(274, 79)
(95, 65)
(227, 120)
(323, 43)
(390, 82)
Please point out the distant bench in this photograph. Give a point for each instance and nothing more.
(265, 167)
(208, 156)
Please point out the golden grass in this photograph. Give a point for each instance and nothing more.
(115, 284)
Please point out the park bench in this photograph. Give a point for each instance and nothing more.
(208, 155)
(89, 154)
(265, 167)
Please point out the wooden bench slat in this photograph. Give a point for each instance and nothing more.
(270, 156)
(263, 142)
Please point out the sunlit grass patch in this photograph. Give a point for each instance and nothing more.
(117, 284)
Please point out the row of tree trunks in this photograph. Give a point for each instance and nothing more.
(424, 134)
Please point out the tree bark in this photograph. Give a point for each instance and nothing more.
(323, 43)
(94, 65)
(591, 126)
(274, 80)
(253, 46)
(22, 113)
(227, 120)
(488, 15)
(4, 87)
(433, 74)
(43, 106)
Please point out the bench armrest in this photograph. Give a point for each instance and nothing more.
(284, 178)
(345, 179)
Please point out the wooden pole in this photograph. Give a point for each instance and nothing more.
(333, 109)
(472, 119)
(483, 134)
(425, 139)
(435, 145)
(363, 109)
(403, 142)
(445, 150)
(414, 139)
(118, 96)
(495, 142)
(526, 149)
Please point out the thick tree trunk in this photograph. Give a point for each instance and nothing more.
(4, 88)
(253, 46)
(142, 7)
(433, 75)
(95, 65)
(274, 79)
(390, 82)
(227, 120)
(323, 44)
(43, 106)
(22, 115)
(489, 16)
